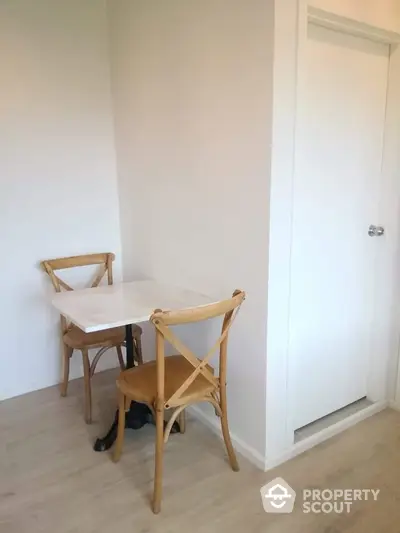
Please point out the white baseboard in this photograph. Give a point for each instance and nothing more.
(394, 405)
(326, 433)
(300, 447)
(240, 446)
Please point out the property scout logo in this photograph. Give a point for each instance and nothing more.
(278, 497)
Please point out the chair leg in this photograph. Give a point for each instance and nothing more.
(121, 428)
(120, 358)
(67, 353)
(138, 345)
(215, 396)
(88, 391)
(182, 421)
(225, 432)
(128, 402)
(158, 474)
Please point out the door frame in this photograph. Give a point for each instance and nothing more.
(291, 21)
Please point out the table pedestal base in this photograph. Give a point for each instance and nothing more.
(137, 416)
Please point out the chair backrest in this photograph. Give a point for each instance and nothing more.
(104, 261)
(163, 319)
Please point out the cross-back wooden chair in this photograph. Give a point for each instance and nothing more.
(177, 381)
(74, 338)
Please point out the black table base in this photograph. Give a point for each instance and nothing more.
(137, 416)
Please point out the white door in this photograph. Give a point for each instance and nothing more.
(341, 114)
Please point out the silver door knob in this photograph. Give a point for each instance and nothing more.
(376, 231)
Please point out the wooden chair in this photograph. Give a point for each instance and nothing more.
(74, 338)
(177, 381)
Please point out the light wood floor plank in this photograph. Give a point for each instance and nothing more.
(52, 482)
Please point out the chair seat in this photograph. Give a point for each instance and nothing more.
(77, 339)
(140, 383)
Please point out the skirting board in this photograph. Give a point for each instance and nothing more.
(300, 447)
(241, 447)
(326, 434)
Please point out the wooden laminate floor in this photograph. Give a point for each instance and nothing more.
(52, 482)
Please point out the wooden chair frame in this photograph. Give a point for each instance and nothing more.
(177, 401)
(105, 261)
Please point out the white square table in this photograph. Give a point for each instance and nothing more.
(123, 304)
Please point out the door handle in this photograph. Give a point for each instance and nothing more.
(376, 231)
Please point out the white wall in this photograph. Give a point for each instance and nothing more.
(192, 85)
(279, 435)
(58, 189)
(384, 14)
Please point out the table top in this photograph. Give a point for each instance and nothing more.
(123, 303)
